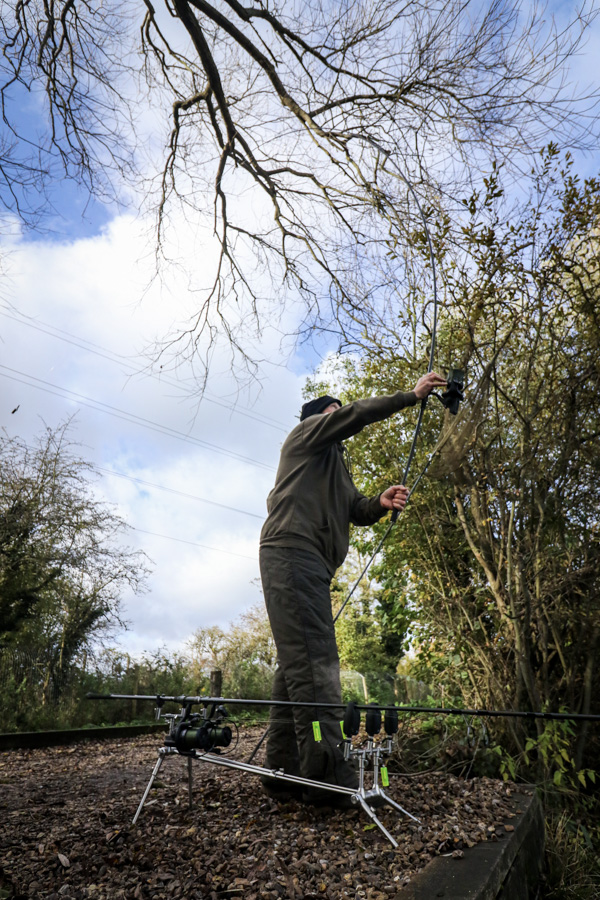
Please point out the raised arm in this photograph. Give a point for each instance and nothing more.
(320, 430)
(323, 429)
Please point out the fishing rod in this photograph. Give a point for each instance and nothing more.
(184, 701)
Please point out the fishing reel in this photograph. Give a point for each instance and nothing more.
(453, 395)
(203, 730)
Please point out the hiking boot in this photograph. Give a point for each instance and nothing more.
(331, 799)
(281, 791)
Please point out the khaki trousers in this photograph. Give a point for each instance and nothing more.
(296, 587)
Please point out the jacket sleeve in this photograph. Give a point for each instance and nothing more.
(321, 430)
(366, 510)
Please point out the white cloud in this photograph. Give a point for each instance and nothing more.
(92, 290)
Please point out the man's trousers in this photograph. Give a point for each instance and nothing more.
(296, 587)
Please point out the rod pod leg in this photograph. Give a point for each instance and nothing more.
(379, 797)
(155, 771)
(371, 814)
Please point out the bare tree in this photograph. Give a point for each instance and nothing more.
(62, 566)
(293, 127)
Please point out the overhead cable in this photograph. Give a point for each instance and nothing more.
(168, 537)
(162, 487)
(119, 359)
(100, 406)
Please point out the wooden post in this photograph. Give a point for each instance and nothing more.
(136, 687)
(216, 683)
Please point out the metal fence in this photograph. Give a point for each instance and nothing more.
(35, 693)
(383, 687)
(32, 688)
(31, 675)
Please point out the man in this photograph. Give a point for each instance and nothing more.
(303, 541)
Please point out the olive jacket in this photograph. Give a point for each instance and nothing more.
(314, 499)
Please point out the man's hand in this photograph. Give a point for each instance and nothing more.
(395, 497)
(428, 383)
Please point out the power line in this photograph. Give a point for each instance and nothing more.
(193, 543)
(162, 487)
(100, 406)
(172, 491)
(104, 353)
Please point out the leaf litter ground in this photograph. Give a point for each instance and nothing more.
(66, 832)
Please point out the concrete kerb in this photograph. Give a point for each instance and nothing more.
(508, 868)
(35, 740)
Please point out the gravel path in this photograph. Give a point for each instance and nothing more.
(66, 833)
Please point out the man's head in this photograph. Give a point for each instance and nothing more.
(319, 405)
